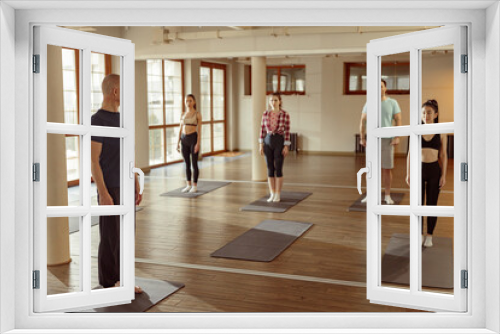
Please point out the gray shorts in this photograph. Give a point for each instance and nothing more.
(387, 153)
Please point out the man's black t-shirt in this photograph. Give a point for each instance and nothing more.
(110, 154)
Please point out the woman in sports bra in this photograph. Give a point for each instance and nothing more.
(190, 136)
(434, 165)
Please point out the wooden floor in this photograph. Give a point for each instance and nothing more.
(323, 271)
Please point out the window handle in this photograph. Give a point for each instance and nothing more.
(134, 170)
(368, 171)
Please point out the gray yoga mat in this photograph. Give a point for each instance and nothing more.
(74, 222)
(437, 262)
(361, 207)
(288, 199)
(154, 291)
(264, 242)
(203, 188)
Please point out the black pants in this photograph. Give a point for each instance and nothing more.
(188, 143)
(108, 257)
(431, 174)
(273, 149)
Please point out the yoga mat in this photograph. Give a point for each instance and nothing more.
(437, 262)
(203, 188)
(264, 242)
(74, 222)
(154, 291)
(288, 199)
(361, 207)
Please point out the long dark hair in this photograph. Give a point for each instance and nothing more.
(194, 98)
(434, 105)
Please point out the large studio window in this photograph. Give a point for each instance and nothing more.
(165, 106)
(286, 79)
(396, 74)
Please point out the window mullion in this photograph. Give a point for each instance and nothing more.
(415, 173)
(211, 108)
(164, 111)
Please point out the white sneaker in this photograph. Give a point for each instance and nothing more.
(388, 200)
(428, 241)
(185, 190)
(193, 189)
(276, 197)
(364, 199)
(270, 199)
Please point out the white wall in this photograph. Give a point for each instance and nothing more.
(7, 167)
(492, 186)
(326, 119)
(148, 39)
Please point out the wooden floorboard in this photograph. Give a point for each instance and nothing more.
(186, 231)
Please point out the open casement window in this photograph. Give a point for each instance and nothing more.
(394, 232)
(54, 208)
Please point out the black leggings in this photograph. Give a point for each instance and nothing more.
(108, 254)
(188, 143)
(431, 174)
(273, 148)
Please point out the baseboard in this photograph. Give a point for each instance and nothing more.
(330, 153)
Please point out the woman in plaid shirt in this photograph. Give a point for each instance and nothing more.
(274, 142)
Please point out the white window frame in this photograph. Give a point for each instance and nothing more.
(477, 320)
(85, 43)
(414, 43)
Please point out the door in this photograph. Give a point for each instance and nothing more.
(69, 67)
(402, 269)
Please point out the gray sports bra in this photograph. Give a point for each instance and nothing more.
(191, 121)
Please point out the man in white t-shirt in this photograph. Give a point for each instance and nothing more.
(390, 112)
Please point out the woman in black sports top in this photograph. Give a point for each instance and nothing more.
(190, 136)
(434, 165)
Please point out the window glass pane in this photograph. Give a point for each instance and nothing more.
(292, 78)
(62, 166)
(73, 157)
(206, 139)
(437, 80)
(219, 138)
(437, 254)
(395, 252)
(155, 92)
(357, 77)
(110, 162)
(105, 66)
(63, 274)
(272, 80)
(205, 106)
(205, 98)
(156, 147)
(62, 86)
(393, 172)
(397, 72)
(173, 91)
(172, 138)
(98, 68)
(395, 96)
(105, 239)
(218, 96)
(437, 169)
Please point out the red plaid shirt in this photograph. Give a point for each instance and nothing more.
(283, 126)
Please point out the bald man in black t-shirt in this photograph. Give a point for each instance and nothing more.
(106, 175)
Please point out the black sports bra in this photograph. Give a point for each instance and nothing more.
(434, 143)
